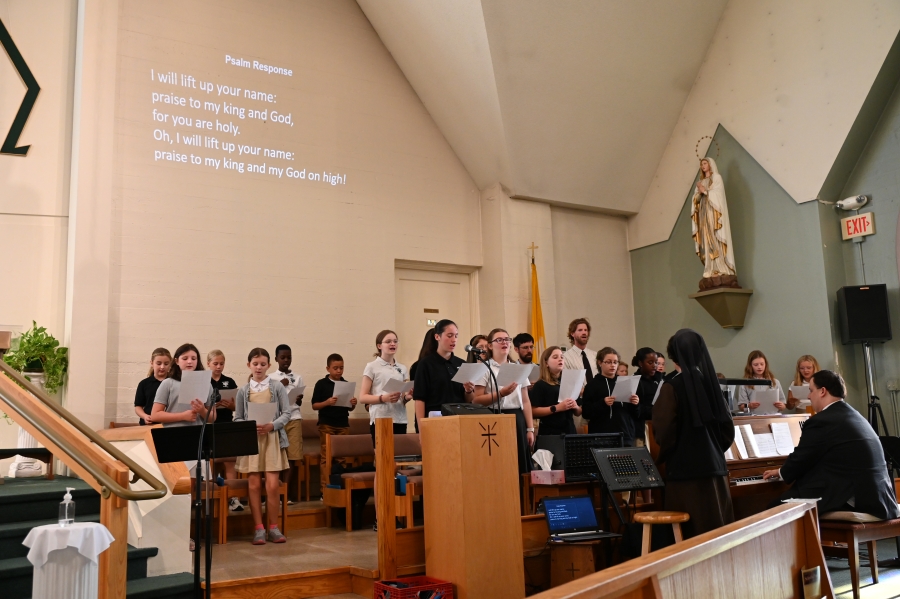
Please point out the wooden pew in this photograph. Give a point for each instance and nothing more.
(761, 556)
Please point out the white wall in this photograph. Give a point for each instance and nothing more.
(787, 80)
(233, 261)
(593, 278)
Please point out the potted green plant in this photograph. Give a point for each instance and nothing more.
(39, 352)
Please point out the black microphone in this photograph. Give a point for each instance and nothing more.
(475, 350)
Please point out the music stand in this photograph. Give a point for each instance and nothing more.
(180, 444)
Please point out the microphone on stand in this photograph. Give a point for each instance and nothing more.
(475, 350)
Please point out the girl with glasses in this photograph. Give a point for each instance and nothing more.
(604, 413)
(511, 398)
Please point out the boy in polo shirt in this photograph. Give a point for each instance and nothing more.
(294, 427)
(333, 420)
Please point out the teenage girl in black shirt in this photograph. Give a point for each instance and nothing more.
(160, 360)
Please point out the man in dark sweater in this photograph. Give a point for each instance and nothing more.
(839, 457)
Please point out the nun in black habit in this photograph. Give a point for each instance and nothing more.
(693, 427)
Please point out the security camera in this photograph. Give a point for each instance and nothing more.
(854, 203)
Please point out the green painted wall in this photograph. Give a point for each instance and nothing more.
(877, 175)
(778, 254)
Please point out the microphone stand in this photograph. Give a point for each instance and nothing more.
(199, 513)
(493, 378)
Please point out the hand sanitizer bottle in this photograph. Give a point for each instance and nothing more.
(67, 508)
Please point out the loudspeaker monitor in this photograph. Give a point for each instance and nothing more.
(863, 314)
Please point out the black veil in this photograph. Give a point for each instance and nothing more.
(706, 403)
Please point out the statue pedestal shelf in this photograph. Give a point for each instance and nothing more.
(727, 305)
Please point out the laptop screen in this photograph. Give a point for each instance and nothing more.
(570, 514)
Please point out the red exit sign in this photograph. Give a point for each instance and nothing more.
(858, 226)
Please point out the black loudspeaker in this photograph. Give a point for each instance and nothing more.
(863, 314)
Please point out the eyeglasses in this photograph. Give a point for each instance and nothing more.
(610, 362)
(502, 340)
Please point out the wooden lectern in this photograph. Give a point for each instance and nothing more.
(473, 530)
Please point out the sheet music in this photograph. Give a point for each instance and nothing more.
(228, 394)
(262, 413)
(469, 373)
(296, 392)
(658, 389)
(728, 454)
(397, 386)
(739, 444)
(766, 444)
(195, 384)
(625, 388)
(508, 374)
(766, 401)
(800, 391)
(784, 443)
(535, 375)
(344, 392)
(571, 383)
(749, 440)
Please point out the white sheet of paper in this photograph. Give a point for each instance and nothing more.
(749, 441)
(195, 384)
(535, 375)
(739, 444)
(513, 373)
(784, 443)
(344, 392)
(766, 401)
(296, 392)
(625, 388)
(228, 393)
(262, 413)
(728, 454)
(469, 373)
(571, 383)
(656, 395)
(800, 391)
(766, 444)
(397, 386)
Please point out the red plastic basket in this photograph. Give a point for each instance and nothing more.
(416, 584)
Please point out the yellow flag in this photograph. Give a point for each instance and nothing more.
(537, 316)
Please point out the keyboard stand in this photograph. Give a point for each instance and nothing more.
(607, 494)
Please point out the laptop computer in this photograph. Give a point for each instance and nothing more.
(573, 519)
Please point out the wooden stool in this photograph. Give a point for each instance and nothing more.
(648, 519)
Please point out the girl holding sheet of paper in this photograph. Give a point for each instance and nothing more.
(604, 413)
(557, 415)
(166, 405)
(513, 398)
(647, 389)
(272, 439)
(807, 366)
(758, 368)
(380, 380)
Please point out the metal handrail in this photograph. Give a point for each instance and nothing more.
(108, 484)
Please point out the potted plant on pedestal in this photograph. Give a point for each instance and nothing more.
(39, 357)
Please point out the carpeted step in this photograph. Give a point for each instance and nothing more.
(170, 586)
(13, 533)
(16, 573)
(26, 499)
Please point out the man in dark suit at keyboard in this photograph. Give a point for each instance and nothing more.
(839, 457)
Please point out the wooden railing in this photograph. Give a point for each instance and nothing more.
(102, 466)
(759, 556)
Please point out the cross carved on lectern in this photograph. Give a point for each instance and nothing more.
(572, 570)
(489, 435)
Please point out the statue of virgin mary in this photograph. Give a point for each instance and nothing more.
(711, 230)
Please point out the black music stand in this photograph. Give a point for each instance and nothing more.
(180, 444)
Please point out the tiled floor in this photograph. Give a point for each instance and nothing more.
(306, 550)
(888, 586)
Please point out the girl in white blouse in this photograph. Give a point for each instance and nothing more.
(512, 398)
(377, 373)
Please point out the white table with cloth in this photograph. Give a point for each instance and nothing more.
(65, 559)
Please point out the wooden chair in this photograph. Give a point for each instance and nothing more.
(854, 528)
(311, 455)
(346, 446)
(409, 444)
(240, 488)
(648, 519)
